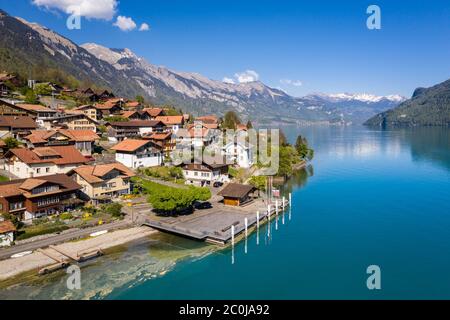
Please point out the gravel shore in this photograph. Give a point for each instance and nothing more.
(37, 260)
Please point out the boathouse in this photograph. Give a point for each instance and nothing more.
(235, 194)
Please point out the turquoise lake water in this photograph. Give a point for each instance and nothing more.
(369, 198)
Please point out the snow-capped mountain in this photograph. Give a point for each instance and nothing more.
(32, 48)
(251, 98)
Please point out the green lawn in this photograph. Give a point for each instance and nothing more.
(2, 178)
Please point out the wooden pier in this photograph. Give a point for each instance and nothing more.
(214, 225)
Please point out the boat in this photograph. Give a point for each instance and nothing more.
(21, 254)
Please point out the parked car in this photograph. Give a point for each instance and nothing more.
(217, 184)
(202, 205)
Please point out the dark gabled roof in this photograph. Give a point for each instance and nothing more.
(24, 186)
(236, 190)
(137, 123)
(203, 166)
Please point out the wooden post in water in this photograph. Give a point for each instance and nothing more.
(276, 207)
(268, 212)
(290, 199)
(246, 227)
(232, 235)
(257, 220)
(284, 202)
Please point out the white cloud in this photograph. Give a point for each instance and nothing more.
(125, 23)
(295, 83)
(228, 80)
(247, 76)
(144, 27)
(95, 9)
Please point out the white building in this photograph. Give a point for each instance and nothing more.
(238, 153)
(205, 174)
(138, 153)
(7, 230)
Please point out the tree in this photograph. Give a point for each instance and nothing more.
(259, 182)
(283, 140)
(31, 97)
(230, 120)
(13, 218)
(249, 125)
(303, 150)
(11, 143)
(140, 99)
(114, 209)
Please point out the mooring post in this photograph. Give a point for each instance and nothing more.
(232, 235)
(276, 207)
(246, 227)
(257, 220)
(268, 212)
(290, 199)
(284, 202)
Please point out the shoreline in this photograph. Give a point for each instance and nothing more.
(14, 267)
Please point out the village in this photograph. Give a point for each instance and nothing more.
(79, 163)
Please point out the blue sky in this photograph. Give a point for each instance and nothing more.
(299, 46)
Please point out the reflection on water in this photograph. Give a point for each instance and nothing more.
(369, 196)
(128, 266)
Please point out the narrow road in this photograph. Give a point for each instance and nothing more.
(7, 253)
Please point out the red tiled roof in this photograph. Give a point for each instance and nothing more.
(18, 122)
(154, 112)
(6, 226)
(61, 155)
(130, 145)
(94, 174)
(35, 107)
(171, 120)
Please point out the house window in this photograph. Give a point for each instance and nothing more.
(47, 170)
(16, 206)
(38, 170)
(196, 173)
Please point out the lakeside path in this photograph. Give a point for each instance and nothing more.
(7, 253)
(13, 267)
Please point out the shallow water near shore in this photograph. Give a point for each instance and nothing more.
(370, 197)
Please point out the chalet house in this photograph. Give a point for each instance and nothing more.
(112, 107)
(90, 95)
(74, 121)
(118, 131)
(133, 105)
(7, 230)
(37, 162)
(39, 112)
(17, 126)
(37, 197)
(173, 123)
(211, 122)
(155, 112)
(101, 183)
(236, 195)
(89, 110)
(205, 174)
(162, 139)
(82, 140)
(137, 115)
(9, 109)
(138, 153)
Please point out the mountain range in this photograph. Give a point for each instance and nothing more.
(427, 107)
(30, 49)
